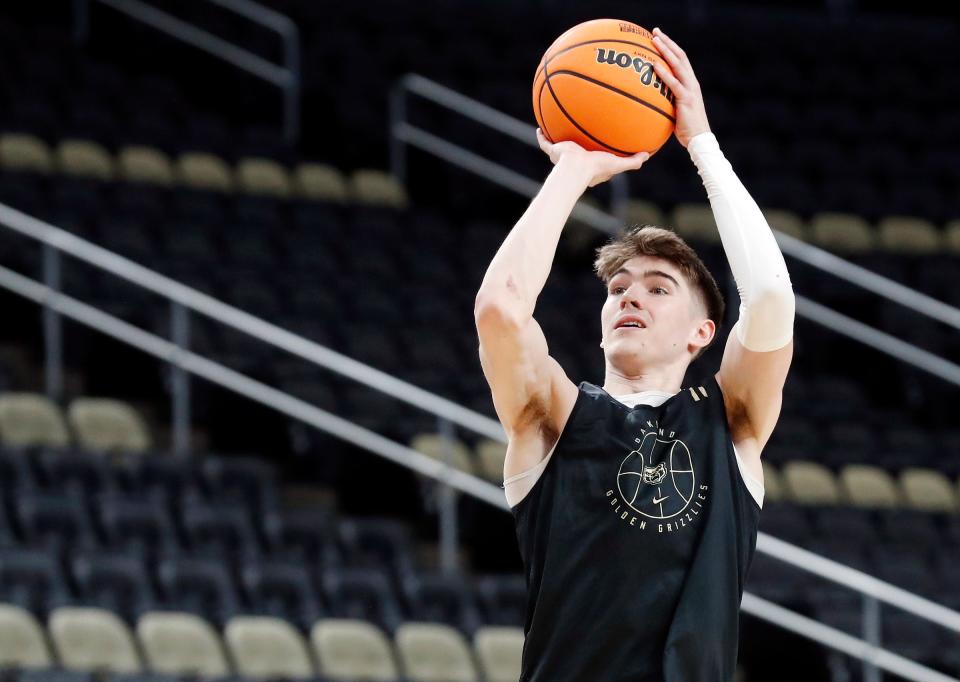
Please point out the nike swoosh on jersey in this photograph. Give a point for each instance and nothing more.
(656, 501)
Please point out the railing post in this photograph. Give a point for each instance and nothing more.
(871, 634)
(448, 504)
(180, 380)
(291, 93)
(81, 21)
(52, 327)
(398, 149)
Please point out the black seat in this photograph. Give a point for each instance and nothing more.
(282, 589)
(117, 582)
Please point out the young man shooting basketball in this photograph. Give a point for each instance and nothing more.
(636, 504)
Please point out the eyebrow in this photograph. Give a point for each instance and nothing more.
(647, 273)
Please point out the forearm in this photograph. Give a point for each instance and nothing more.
(521, 266)
(767, 303)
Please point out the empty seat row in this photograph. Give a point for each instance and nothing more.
(202, 170)
(173, 643)
(840, 232)
(93, 423)
(219, 586)
(863, 486)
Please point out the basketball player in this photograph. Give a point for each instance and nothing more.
(636, 503)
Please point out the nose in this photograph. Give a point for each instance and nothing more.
(630, 298)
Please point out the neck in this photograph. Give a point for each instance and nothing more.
(664, 380)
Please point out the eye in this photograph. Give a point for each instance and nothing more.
(617, 289)
(660, 289)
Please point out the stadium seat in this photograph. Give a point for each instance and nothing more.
(281, 589)
(841, 232)
(55, 521)
(377, 542)
(93, 640)
(787, 222)
(928, 490)
(430, 652)
(23, 643)
(441, 598)
(32, 579)
(31, 419)
(378, 188)
(172, 477)
(206, 171)
(810, 483)
(353, 649)
(84, 158)
(302, 534)
(105, 424)
(905, 234)
(499, 651)
(502, 599)
(362, 594)
(138, 524)
(320, 182)
(868, 486)
(25, 153)
(267, 647)
(180, 643)
(142, 164)
(434, 445)
(951, 236)
(263, 176)
(116, 582)
(72, 472)
(695, 222)
(490, 457)
(773, 486)
(241, 480)
(220, 529)
(200, 586)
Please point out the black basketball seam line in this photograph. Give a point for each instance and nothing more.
(616, 90)
(600, 40)
(577, 125)
(540, 105)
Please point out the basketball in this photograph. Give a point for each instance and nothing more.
(596, 86)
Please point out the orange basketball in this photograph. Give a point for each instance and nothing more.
(597, 87)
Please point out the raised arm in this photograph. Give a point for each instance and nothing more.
(528, 386)
(759, 348)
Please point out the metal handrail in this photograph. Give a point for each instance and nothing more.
(182, 359)
(270, 334)
(286, 77)
(403, 132)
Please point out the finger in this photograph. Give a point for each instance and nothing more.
(634, 162)
(545, 146)
(672, 44)
(666, 75)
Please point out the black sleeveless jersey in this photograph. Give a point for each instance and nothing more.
(636, 542)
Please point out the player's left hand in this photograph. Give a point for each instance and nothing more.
(679, 77)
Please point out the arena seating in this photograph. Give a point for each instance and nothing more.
(120, 561)
(152, 548)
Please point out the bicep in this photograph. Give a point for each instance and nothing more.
(752, 383)
(518, 367)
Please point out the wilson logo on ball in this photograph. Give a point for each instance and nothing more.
(647, 75)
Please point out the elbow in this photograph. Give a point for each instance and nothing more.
(495, 312)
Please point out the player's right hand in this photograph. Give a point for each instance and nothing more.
(600, 166)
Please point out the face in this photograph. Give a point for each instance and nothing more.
(675, 323)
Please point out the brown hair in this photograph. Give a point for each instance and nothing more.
(650, 240)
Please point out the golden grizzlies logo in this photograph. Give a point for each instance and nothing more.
(657, 479)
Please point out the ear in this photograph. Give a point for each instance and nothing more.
(702, 335)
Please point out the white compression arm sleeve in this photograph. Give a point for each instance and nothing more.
(767, 303)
